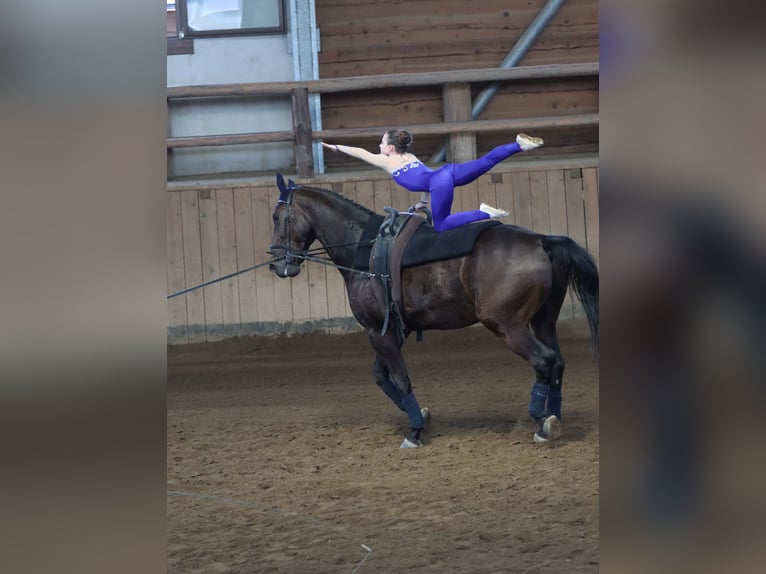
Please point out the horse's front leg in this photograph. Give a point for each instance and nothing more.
(390, 373)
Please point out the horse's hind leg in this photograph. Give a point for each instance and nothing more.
(543, 359)
(546, 395)
(544, 326)
(390, 373)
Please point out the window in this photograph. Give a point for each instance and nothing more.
(206, 18)
(176, 44)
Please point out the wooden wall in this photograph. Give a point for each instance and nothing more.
(363, 37)
(213, 230)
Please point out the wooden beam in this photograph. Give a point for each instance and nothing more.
(330, 85)
(304, 158)
(218, 140)
(456, 96)
(447, 128)
(479, 126)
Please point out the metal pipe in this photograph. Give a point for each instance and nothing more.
(514, 57)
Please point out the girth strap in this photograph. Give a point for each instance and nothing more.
(386, 263)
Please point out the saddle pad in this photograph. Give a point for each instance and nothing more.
(427, 245)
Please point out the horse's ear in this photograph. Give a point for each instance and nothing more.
(284, 190)
(291, 184)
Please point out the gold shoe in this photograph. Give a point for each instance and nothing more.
(493, 212)
(528, 142)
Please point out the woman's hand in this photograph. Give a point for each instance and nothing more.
(421, 209)
(419, 206)
(333, 147)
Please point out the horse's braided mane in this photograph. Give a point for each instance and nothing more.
(339, 196)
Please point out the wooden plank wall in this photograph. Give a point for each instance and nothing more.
(215, 231)
(362, 37)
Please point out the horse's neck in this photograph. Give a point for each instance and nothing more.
(339, 227)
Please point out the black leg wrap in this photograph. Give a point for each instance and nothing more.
(414, 435)
(392, 392)
(537, 401)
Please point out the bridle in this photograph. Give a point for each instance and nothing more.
(289, 255)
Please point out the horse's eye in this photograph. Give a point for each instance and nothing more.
(275, 218)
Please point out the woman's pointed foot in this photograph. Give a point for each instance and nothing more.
(527, 143)
(493, 212)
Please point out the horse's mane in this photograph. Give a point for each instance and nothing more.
(339, 196)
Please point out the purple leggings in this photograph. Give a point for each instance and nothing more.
(441, 184)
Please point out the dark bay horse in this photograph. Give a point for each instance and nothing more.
(514, 283)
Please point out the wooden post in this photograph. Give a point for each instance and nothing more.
(457, 108)
(304, 158)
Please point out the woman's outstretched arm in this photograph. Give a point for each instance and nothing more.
(376, 159)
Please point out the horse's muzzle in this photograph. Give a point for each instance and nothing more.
(286, 263)
(282, 268)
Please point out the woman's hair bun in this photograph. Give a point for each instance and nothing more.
(400, 139)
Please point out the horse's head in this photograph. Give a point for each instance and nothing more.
(293, 233)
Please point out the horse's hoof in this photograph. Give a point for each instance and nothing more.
(407, 443)
(538, 438)
(552, 427)
(426, 415)
(549, 430)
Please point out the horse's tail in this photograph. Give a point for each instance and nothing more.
(582, 274)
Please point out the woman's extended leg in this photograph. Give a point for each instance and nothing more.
(470, 170)
(444, 180)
